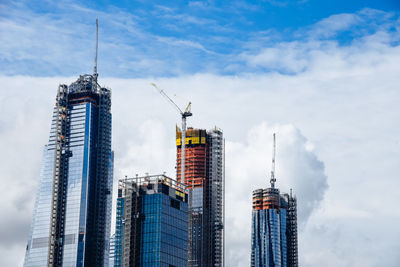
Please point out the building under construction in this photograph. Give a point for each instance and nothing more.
(151, 222)
(72, 213)
(72, 217)
(274, 227)
(205, 180)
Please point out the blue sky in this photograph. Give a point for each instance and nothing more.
(323, 75)
(143, 39)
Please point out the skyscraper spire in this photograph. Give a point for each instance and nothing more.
(273, 180)
(95, 74)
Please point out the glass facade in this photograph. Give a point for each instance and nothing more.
(272, 230)
(266, 239)
(85, 149)
(151, 223)
(119, 230)
(111, 251)
(163, 231)
(37, 247)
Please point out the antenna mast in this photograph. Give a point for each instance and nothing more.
(95, 74)
(273, 180)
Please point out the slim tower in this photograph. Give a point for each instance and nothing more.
(205, 178)
(274, 226)
(71, 221)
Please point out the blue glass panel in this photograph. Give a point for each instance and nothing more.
(37, 248)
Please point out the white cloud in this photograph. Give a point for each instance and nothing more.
(334, 24)
(301, 54)
(288, 57)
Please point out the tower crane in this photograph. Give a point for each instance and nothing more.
(184, 115)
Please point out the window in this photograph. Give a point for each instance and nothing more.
(175, 204)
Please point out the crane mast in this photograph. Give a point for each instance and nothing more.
(184, 115)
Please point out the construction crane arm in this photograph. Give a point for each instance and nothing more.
(184, 115)
(187, 110)
(169, 99)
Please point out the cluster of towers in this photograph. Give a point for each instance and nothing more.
(160, 221)
(165, 222)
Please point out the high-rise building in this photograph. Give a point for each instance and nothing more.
(274, 227)
(71, 220)
(151, 222)
(205, 180)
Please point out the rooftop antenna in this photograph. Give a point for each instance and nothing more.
(95, 74)
(273, 180)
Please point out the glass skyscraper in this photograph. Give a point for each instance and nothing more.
(72, 213)
(151, 223)
(205, 181)
(273, 229)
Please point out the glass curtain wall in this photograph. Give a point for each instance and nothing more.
(82, 235)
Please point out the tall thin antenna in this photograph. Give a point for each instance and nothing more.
(95, 74)
(273, 180)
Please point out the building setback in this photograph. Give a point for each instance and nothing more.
(151, 222)
(71, 221)
(205, 180)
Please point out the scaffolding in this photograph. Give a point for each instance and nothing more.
(59, 179)
(292, 248)
(217, 197)
(130, 193)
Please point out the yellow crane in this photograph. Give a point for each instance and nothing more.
(184, 115)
